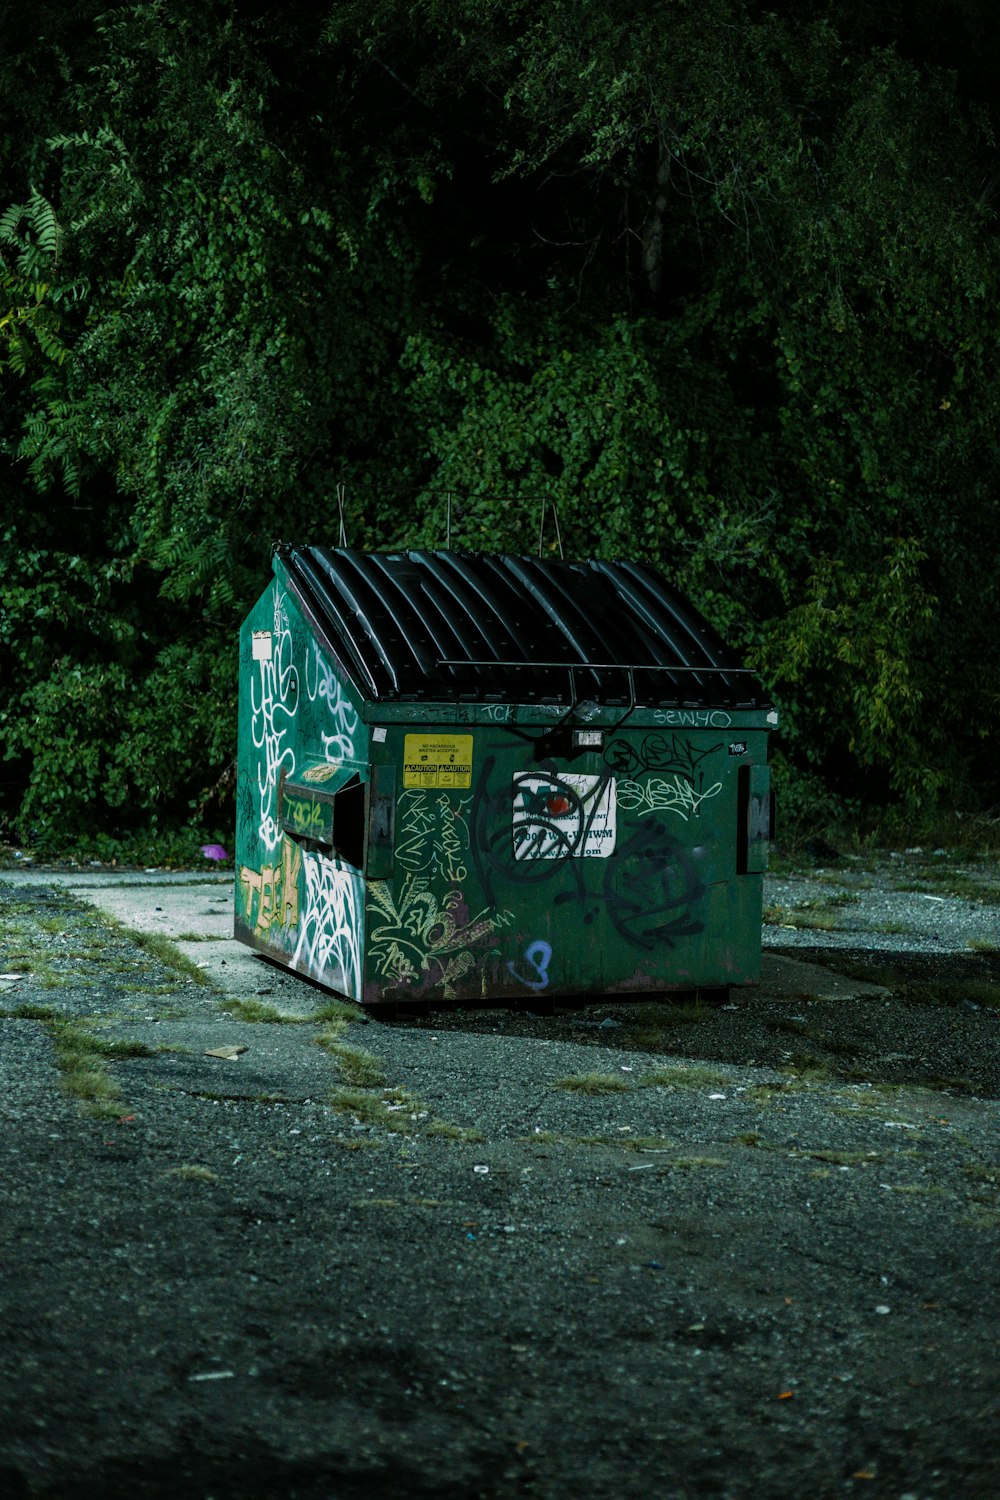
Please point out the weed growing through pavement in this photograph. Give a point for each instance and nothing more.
(394, 1109)
(681, 1076)
(338, 1010)
(918, 1190)
(28, 961)
(163, 950)
(359, 1069)
(256, 1011)
(54, 926)
(193, 1173)
(593, 1083)
(81, 1056)
(820, 917)
(690, 1164)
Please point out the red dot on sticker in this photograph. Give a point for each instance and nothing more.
(557, 806)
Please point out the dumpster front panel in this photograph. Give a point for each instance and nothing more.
(610, 870)
(302, 800)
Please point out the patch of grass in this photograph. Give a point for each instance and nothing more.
(29, 1011)
(91, 1086)
(919, 1190)
(359, 1069)
(948, 1083)
(685, 1076)
(193, 1173)
(54, 926)
(35, 964)
(257, 1011)
(872, 1095)
(690, 1164)
(817, 1034)
(631, 1143)
(890, 929)
(163, 950)
(338, 1010)
(979, 945)
(983, 1219)
(816, 918)
(764, 1094)
(983, 1172)
(983, 992)
(80, 1056)
(593, 1083)
(395, 1110)
(809, 1067)
(195, 937)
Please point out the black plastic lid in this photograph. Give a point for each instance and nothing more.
(450, 626)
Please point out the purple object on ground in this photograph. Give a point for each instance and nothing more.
(214, 851)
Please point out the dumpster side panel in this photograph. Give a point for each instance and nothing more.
(614, 869)
(296, 901)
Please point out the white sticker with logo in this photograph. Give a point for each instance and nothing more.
(569, 816)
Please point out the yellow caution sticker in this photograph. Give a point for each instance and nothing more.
(437, 760)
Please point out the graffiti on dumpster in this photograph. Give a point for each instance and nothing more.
(652, 892)
(330, 934)
(432, 834)
(693, 718)
(425, 933)
(274, 699)
(537, 956)
(658, 794)
(657, 752)
(323, 684)
(271, 894)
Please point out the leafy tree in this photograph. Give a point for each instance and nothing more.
(716, 279)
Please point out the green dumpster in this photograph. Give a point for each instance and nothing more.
(466, 777)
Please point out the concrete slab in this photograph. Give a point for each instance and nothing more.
(790, 979)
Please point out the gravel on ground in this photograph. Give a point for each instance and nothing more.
(613, 1251)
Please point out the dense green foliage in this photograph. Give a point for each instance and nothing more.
(718, 279)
